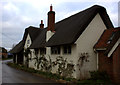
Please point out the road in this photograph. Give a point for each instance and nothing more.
(11, 75)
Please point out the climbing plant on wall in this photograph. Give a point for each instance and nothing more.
(42, 62)
(26, 54)
(64, 68)
(83, 57)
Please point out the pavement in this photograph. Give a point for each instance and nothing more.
(14, 76)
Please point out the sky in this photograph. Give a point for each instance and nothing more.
(17, 15)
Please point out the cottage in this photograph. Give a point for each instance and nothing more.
(65, 47)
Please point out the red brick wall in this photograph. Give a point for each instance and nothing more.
(116, 64)
(110, 64)
(105, 63)
(3, 55)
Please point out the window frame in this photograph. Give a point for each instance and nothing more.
(67, 49)
(28, 41)
(55, 50)
(42, 50)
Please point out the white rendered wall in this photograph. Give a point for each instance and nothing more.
(86, 42)
(27, 45)
(30, 42)
(70, 57)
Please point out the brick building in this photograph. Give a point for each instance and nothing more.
(108, 50)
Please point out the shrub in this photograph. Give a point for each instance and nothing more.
(97, 75)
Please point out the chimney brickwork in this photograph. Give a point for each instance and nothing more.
(51, 19)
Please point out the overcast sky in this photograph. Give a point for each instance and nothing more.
(16, 15)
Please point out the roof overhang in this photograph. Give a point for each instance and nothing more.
(99, 49)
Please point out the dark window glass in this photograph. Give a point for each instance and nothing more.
(67, 49)
(28, 41)
(42, 50)
(111, 38)
(55, 50)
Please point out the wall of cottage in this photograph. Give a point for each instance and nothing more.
(85, 44)
(71, 58)
(28, 42)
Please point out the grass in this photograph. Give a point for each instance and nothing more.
(97, 78)
(7, 58)
(44, 74)
(94, 82)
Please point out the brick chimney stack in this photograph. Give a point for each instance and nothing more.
(51, 19)
(41, 25)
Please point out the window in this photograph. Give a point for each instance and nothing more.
(111, 38)
(28, 41)
(42, 50)
(67, 49)
(55, 50)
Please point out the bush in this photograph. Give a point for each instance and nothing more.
(97, 75)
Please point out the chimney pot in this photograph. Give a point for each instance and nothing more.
(41, 25)
(41, 21)
(51, 7)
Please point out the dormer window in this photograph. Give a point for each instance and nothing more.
(111, 38)
(109, 41)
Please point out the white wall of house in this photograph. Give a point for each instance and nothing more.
(71, 58)
(85, 44)
(32, 60)
(28, 42)
(49, 34)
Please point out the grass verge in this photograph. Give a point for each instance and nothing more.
(97, 78)
(6, 58)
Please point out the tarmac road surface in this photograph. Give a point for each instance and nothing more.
(11, 75)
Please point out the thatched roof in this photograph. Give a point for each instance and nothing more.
(33, 32)
(40, 41)
(18, 48)
(69, 29)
